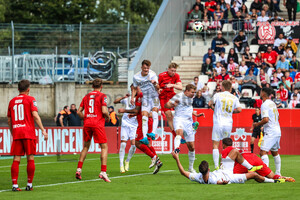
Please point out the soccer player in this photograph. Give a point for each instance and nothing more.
(183, 121)
(94, 105)
(220, 177)
(167, 82)
(128, 130)
(256, 117)
(21, 115)
(148, 82)
(224, 105)
(147, 149)
(271, 140)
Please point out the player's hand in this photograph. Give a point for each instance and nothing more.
(225, 182)
(254, 125)
(121, 110)
(132, 101)
(153, 82)
(107, 119)
(45, 134)
(175, 155)
(127, 95)
(169, 85)
(159, 91)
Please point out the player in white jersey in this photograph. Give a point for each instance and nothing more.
(220, 176)
(128, 131)
(183, 121)
(271, 140)
(147, 81)
(224, 105)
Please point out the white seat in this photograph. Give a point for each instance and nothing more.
(203, 78)
(254, 48)
(247, 93)
(227, 28)
(227, 48)
(248, 4)
(212, 87)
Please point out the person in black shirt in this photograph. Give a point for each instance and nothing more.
(256, 131)
(198, 3)
(199, 100)
(280, 49)
(62, 117)
(218, 43)
(291, 5)
(232, 54)
(207, 67)
(74, 119)
(240, 42)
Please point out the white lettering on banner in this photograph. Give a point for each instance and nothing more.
(57, 140)
(7, 140)
(50, 147)
(79, 140)
(65, 147)
(240, 144)
(71, 140)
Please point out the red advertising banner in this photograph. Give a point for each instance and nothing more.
(241, 140)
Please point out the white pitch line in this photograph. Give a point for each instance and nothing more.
(44, 163)
(92, 180)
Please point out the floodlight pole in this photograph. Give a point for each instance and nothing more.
(12, 51)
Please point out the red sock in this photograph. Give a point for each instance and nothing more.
(30, 170)
(276, 177)
(103, 168)
(174, 133)
(15, 172)
(146, 150)
(79, 164)
(152, 150)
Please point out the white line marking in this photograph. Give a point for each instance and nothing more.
(91, 180)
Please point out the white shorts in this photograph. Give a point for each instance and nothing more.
(237, 178)
(149, 103)
(221, 132)
(187, 126)
(270, 143)
(128, 133)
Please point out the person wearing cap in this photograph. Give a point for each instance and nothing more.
(114, 120)
(290, 43)
(209, 55)
(219, 42)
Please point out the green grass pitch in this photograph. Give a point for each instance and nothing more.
(56, 180)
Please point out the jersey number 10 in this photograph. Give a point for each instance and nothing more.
(227, 105)
(19, 112)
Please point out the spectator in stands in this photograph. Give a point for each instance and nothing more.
(223, 76)
(244, 10)
(276, 18)
(291, 44)
(254, 68)
(280, 49)
(297, 80)
(296, 92)
(195, 15)
(268, 70)
(293, 102)
(206, 24)
(258, 58)
(229, 14)
(235, 7)
(291, 6)
(269, 7)
(231, 66)
(247, 56)
(198, 3)
(217, 90)
(247, 24)
(286, 84)
(288, 54)
(294, 63)
(238, 77)
(280, 40)
(233, 54)
(197, 83)
(218, 68)
(262, 79)
(235, 85)
(288, 77)
(74, 119)
(213, 76)
(222, 59)
(240, 42)
(219, 42)
(113, 118)
(210, 5)
(62, 117)
(238, 23)
(256, 5)
(274, 80)
(283, 64)
(219, 13)
(278, 101)
(209, 55)
(223, 6)
(243, 68)
(263, 17)
(279, 73)
(199, 101)
(271, 57)
(206, 94)
(207, 67)
(283, 94)
(250, 81)
(253, 15)
(216, 24)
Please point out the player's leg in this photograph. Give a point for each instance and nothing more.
(191, 154)
(216, 137)
(83, 153)
(103, 158)
(130, 154)
(124, 137)
(30, 172)
(277, 161)
(145, 118)
(266, 145)
(151, 147)
(177, 140)
(258, 178)
(17, 150)
(236, 156)
(169, 117)
(155, 108)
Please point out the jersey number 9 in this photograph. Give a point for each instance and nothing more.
(91, 105)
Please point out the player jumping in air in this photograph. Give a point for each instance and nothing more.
(224, 105)
(183, 121)
(21, 115)
(94, 105)
(147, 149)
(271, 140)
(128, 131)
(148, 82)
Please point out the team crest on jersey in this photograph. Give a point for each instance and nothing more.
(35, 103)
(123, 137)
(105, 99)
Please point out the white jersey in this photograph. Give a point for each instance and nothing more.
(184, 108)
(144, 82)
(126, 121)
(227, 164)
(225, 103)
(218, 175)
(269, 110)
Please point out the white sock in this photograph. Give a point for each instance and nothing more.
(177, 141)
(246, 164)
(145, 125)
(131, 152)
(122, 153)
(79, 170)
(15, 185)
(265, 159)
(155, 121)
(277, 161)
(191, 159)
(216, 157)
(268, 180)
(29, 184)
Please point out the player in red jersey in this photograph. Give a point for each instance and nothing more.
(94, 105)
(250, 158)
(147, 149)
(21, 115)
(167, 82)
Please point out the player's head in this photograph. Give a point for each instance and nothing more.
(226, 85)
(190, 90)
(172, 69)
(204, 167)
(226, 142)
(97, 83)
(145, 67)
(266, 93)
(24, 86)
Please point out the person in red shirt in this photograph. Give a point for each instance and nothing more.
(147, 149)
(210, 5)
(271, 57)
(21, 115)
(223, 76)
(167, 82)
(94, 105)
(283, 94)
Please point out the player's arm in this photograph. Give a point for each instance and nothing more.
(198, 115)
(133, 94)
(262, 122)
(181, 169)
(177, 86)
(211, 104)
(105, 113)
(38, 121)
(237, 110)
(80, 112)
(171, 104)
(61, 120)
(118, 100)
(223, 182)
(9, 124)
(132, 111)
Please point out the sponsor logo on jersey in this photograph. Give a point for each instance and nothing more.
(105, 99)
(35, 103)
(92, 96)
(19, 125)
(19, 101)
(91, 115)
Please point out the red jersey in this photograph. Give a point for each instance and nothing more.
(271, 57)
(92, 104)
(283, 94)
(163, 80)
(212, 5)
(222, 78)
(297, 77)
(20, 111)
(290, 79)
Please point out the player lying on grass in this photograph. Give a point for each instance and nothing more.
(220, 177)
(147, 149)
(234, 162)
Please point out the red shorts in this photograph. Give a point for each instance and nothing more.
(253, 160)
(163, 101)
(139, 131)
(23, 146)
(97, 132)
